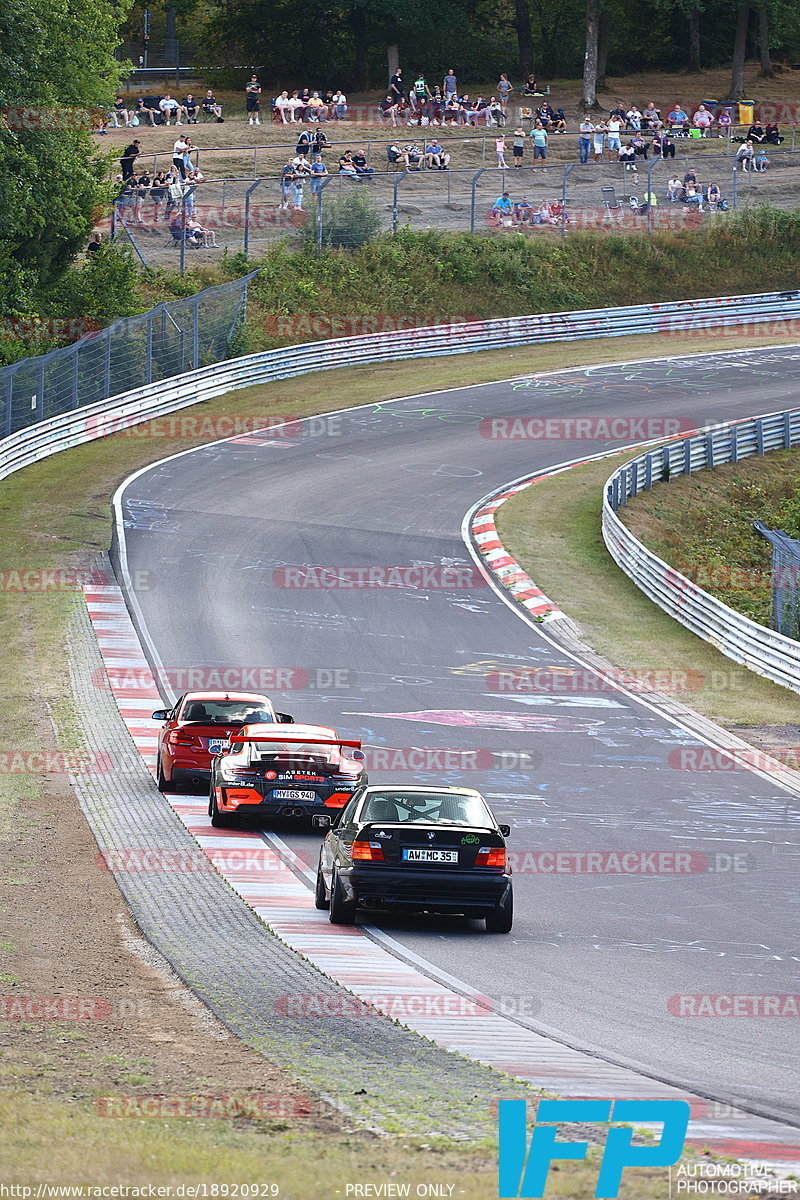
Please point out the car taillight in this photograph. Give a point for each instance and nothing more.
(367, 852)
(491, 856)
(178, 738)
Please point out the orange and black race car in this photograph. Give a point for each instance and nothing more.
(198, 727)
(272, 772)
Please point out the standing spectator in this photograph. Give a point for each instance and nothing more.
(320, 142)
(253, 101)
(397, 88)
(286, 181)
(158, 193)
(178, 152)
(128, 159)
(94, 244)
(170, 108)
(500, 148)
(210, 106)
(703, 120)
(519, 146)
(539, 138)
(304, 140)
(613, 126)
(598, 140)
(318, 172)
(450, 85)
(297, 192)
(143, 186)
(585, 139)
(420, 92)
(504, 90)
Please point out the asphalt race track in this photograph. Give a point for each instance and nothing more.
(595, 957)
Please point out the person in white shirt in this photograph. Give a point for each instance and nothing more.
(294, 104)
(284, 106)
(613, 126)
(702, 119)
(675, 188)
(170, 108)
(634, 118)
(339, 104)
(178, 152)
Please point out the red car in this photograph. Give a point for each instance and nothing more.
(198, 727)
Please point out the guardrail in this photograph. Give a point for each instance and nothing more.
(81, 425)
(763, 650)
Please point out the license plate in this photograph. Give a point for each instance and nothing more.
(426, 855)
(288, 794)
(216, 744)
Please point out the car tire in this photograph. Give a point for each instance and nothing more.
(341, 911)
(321, 900)
(500, 918)
(161, 781)
(222, 820)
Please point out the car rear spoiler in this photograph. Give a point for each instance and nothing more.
(355, 743)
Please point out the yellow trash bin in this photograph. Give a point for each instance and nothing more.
(746, 111)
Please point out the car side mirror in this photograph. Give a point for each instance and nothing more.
(285, 719)
(161, 714)
(321, 821)
(505, 830)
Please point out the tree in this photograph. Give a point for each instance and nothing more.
(739, 49)
(590, 57)
(767, 71)
(693, 63)
(522, 24)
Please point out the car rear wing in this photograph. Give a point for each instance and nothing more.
(355, 743)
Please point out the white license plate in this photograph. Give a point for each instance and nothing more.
(426, 855)
(288, 794)
(216, 744)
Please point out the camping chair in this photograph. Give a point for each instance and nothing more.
(610, 198)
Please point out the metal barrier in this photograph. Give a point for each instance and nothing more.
(763, 650)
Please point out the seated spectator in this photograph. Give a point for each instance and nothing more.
(388, 110)
(693, 198)
(772, 134)
(713, 196)
(145, 110)
(677, 118)
(496, 114)
(545, 114)
(118, 109)
(413, 155)
(760, 162)
(348, 168)
(338, 105)
(558, 122)
(633, 118)
(522, 213)
(297, 106)
(530, 88)
(502, 210)
(756, 135)
(639, 146)
(210, 106)
(651, 117)
(542, 214)
(317, 110)
(284, 109)
(703, 120)
(667, 144)
(724, 121)
(207, 236)
(395, 155)
(170, 108)
(627, 156)
(181, 232)
(190, 108)
(745, 156)
(436, 106)
(557, 214)
(690, 177)
(95, 243)
(675, 189)
(360, 164)
(436, 157)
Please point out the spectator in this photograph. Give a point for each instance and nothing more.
(300, 162)
(693, 198)
(651, 117)
(585, 139)
(690, 178)
(206, 237)
(598, 139)
(502, 209)
(317, 109)
(530, 88)
(128, 159)
(538, 136)
(286, 181)
(413, 155)
(388, 110)
(420, 92)
(522, 213)
(519, 146)
(773, 135)
(347, 167)
(724, 120)
(500, 149)
(627, 156)
(170, 108)
(284, 108)
(703, 120)
(450, 84)
(633, 118)
(639, 146)
(620, 111)
(190, 108)
(210, 106)
(496, 114)
(304, 140)
(297, 106)
(713, 197)
(297, 188)
(667, 145)
(119, 109)
(675, 189)
(338, 105)
(318, 172)
(559, 121)
(744, 157)
(397, 88)
(436, 156)
(395, 155)
(760, 162)
(175, 193)
(361, 165)
(252, 93)
(756, 135)
(545, 114)
(320, 142)
(94, 244)
(178, 151)
(614, 126)
(677, 118)
(143, 185)
(158, 193)
(146, 112)
(504, 91)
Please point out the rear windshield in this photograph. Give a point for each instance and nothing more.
(302, 752)
(427, 806)
(233, 713)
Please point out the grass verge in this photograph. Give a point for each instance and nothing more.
(56, 515)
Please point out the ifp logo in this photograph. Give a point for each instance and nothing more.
(523, 1169)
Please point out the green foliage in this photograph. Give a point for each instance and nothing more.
(348, 220)
(103, 288)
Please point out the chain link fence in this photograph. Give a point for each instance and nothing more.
(169, 339)
(785, 585)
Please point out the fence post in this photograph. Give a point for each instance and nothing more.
(733, 188)
(567, 172)
(400, 175)
(474, 185)
(322, 184)
(255, 162)
(195, 331)
(107, 367)
(148, 364)
(252, 188)
(186, 193)
(649, 195)
(75, 400)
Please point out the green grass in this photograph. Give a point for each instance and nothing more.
(553, 529)
(703, 526)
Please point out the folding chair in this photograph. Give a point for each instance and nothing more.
(610, 198)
